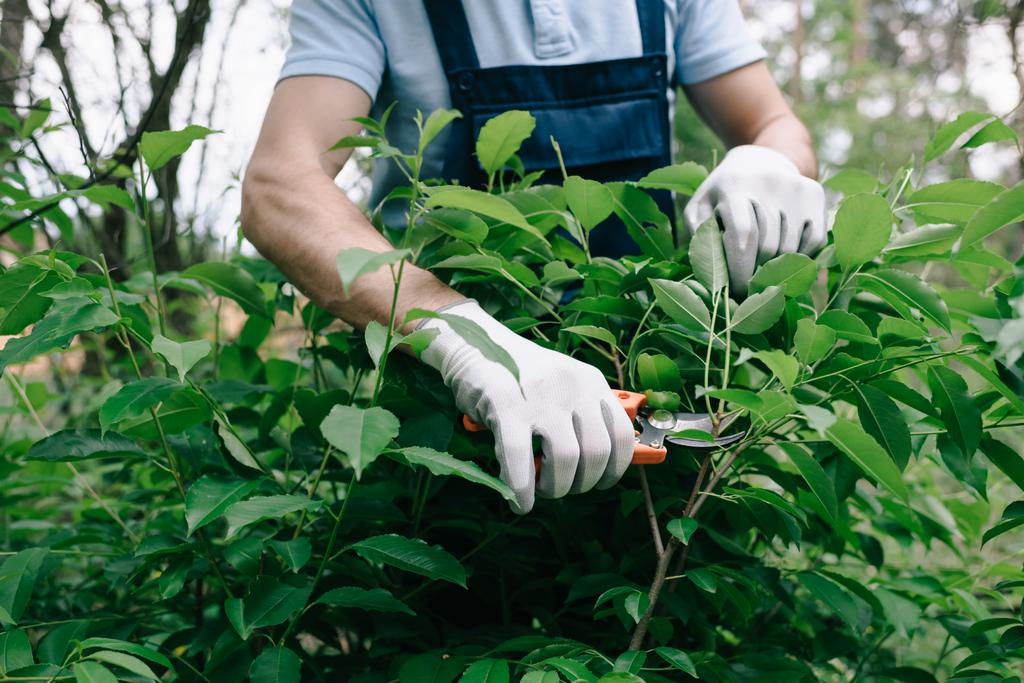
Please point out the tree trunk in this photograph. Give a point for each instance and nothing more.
(12, 37)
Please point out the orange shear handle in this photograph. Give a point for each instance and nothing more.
(631, 402)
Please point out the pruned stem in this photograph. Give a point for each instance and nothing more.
(693, 506)
(652, 516)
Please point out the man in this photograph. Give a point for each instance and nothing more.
(598, 76)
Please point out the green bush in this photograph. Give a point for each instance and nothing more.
(208, 511)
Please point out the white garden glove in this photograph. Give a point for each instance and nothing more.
(765, 207)
(586, 437)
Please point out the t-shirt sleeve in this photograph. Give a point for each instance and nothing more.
(335, 38)
(712, 38)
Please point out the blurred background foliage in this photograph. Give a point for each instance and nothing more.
(871, 78)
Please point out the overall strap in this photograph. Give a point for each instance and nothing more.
(451, 34)
(651, 14)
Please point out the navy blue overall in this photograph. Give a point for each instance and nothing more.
(610, 118)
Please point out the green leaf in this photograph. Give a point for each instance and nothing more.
(159, 148)
(571, 669)
(812, 341)
(457, 197)
(15, 651)
(211, 496)
(350, 141)
(125, 646)
(949, 133)
(994, 131)
(707, 256)
(1007, 208)
(882, 419)
(781, 364)
(959, 413)
(954, 201)
(658, 372)
(430, 668)
(1013, 517)
(540, 677)
(295, 552)
(993, 380)
(126, 662)
(677, 658)
(680, 303)
(22, 300)
(360, 433)
(246, 512)
(590, 201)
(486, 671)
(65, 320)
(270, 602)
(645, 223)
(356, 262)
(683, 178)
(683, 528)
(862, 228)
(851, 608)
(412, 555)
(181, 355)
(501, 137)
(459, 224)
(759, 311)
(376, 600)
(438, 120)
(592, 332)
(924, 241)
(901, 289)
(863, 450)
(557, 273)
(852, 181)
(1006, 459)
(814, 474)
(443, 464)
(135, 398)
(72, 445)
(795, 273)
(93, 672)
(474, 335)
(703, 579)
(847, 326)
(235, 447)
(231, 281)
(276, 665)
(620, 677)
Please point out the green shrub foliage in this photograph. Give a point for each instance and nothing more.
(220, 509)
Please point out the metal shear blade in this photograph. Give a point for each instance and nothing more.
(660, 426)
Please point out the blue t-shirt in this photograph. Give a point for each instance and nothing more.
(386, 47)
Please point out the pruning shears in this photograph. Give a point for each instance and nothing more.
(656, 427)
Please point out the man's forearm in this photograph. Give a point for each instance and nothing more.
(301, 220)
(786, 134)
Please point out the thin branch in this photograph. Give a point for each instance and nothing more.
(652, 515)
(126, 157)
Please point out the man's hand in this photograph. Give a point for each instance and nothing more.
(763, 192)
(586, 436)
(764, 206)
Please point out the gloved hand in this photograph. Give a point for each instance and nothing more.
(765, 207)
(586, 437)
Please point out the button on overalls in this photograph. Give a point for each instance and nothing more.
(610, 118)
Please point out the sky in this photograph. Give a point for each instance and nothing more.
(235, 76)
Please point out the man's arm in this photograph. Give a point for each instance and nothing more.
(745, 107)
(298, 218)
